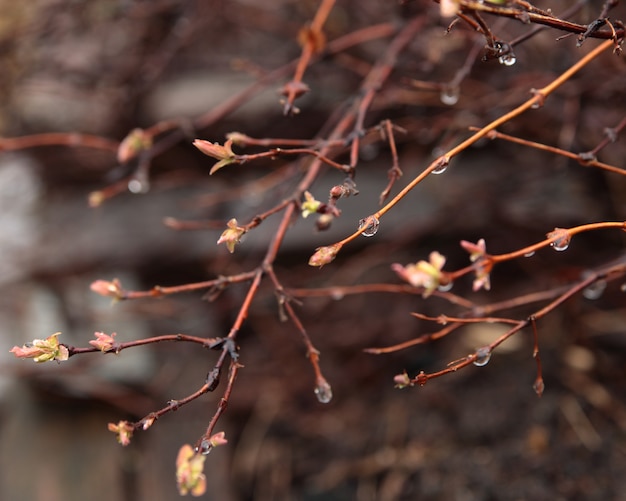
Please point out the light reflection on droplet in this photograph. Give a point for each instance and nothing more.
(442, 165)
(369, 226)
(136, 186)
(529, 254)
(483, 355)
(594, 290)
(560, 246)
(445, 287)
(323, 392)
(205, 447)
(450, 95)
(507, 59)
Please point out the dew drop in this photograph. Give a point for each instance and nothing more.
(507, 59)
(529, 254)
(442, 165)
(450, 95)
(595, 290)
(539, 386)
(483, 355)
(323, 392)
(369, 226)
(136, 186)
(560, 246)
(337, 294)
(205, 447)
(445, 287)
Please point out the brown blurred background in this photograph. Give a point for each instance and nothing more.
(107, 66)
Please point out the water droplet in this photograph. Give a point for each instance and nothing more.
(337, 294)
(136, 186)
(483, 355)
(507, 59)
(445, 287)
(450, 95)
(560, 245)
(595, 290)
(323, 391)
(529, 254)
(442, 165)
(205, 447)
(369, 226)
(539, 386)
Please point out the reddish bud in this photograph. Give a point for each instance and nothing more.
(324, 255)
(232, 235)
(105, 288)
(103, 341)
(190, 478)
(224, 153)
(43, 350)
(123, 430)
(134, 143)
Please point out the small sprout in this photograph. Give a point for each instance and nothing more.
(123, 430)
(238, 138)
(224, 153)
(105, 288)
(310, 205)
(43, 350)
(190, 478)
(232, 235)
(402, 380)
(324, 255)
(476, 251)
(426, 274)
(483, 265)
(103, 341)
(133, 144)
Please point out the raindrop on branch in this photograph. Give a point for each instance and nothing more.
(507, 59)
(560, 245)
(529, 254)
(323, 392)
(442, 165)
(205, 447)
(483, 355)
(594, 290)
(450, 95)
(445, 287)
(369, 226)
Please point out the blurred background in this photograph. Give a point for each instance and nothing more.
(105, 67)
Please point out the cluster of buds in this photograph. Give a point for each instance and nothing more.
(482, 263)
(425, 274)
(232, 235)
(43, 350)
(190, 477)
(123, 430)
